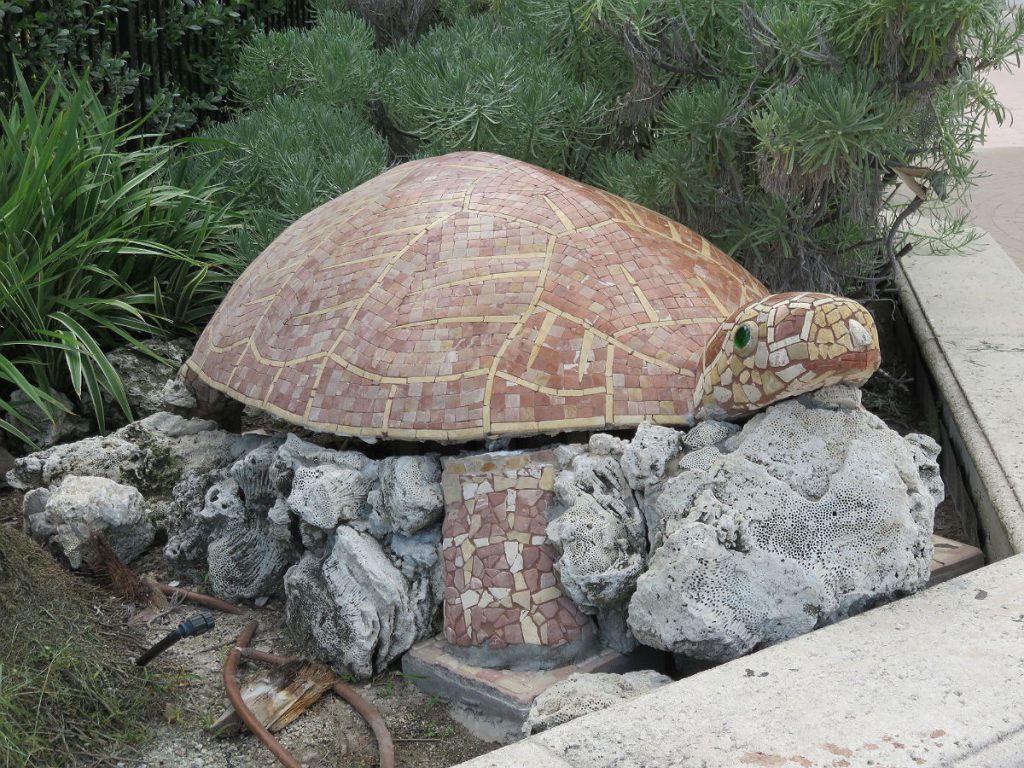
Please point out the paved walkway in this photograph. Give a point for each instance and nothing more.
(997, 203)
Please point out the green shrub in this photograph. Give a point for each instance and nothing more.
(482, 84)
(98, 247)
(332, 63)
(776, 127)
(286, 159)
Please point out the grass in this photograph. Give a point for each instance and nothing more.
(100, 246)
(69, 693)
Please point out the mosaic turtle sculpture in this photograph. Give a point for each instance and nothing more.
(472, 296)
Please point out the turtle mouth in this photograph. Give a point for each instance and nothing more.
(860, 364)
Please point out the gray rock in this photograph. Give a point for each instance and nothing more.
(418, 558)
(926, 457)
(44, 432)
(176, 397)
(111, 457)
(244, 549)
(645, 458)
(79, 507)
(248, 561)
(328, 494)
(580, 694)
(602, 444)
(151, 454)
(410, 493)
(565, 453)
(708, 433)
(145, 379)
(353, 608)
(816, 510)
(601, 533)
(601, 539)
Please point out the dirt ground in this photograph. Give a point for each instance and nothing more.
(330, 733)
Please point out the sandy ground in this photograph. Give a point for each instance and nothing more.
(330, 733)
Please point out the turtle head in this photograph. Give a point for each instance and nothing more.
(781, 346)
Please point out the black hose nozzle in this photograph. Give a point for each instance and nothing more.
(192, 627)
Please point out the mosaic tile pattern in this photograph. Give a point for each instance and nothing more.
(797, 342)
(471, 295)
(501, 588)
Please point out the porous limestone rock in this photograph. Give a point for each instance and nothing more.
(410, 493)
(581, 693)
(353, 608)
(418, 558)
(176, 397)
(146, 380)
(705, 434)
(645, 458)
(601, 538)
(816, 510)
(151, 454)
(245, 550)
(66, 516)
(328, 494)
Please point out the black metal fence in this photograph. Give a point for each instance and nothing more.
(163, 54)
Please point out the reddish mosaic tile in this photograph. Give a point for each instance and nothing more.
(501, 585)
(472, 295)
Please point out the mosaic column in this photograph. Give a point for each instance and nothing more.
(503, 604)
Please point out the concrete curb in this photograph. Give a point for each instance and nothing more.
(934, 679)
(990, 483)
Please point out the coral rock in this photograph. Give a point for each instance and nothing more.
(645, 458)
(353, 609)
(817, 510)
(66, 516)
(580, 694)
(326, 495)
(410, 492)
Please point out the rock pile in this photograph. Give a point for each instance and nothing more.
(813, 511)
(352, 543)
(708, 544)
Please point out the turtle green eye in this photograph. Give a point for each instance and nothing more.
(742, 336)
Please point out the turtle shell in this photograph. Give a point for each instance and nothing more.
(471, 296)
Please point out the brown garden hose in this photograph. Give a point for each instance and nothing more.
(385, 745)
(194, 597)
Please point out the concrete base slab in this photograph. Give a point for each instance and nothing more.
(936, 679)
(952, 559)
(495, 702)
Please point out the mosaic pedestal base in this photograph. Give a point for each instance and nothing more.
(500, 699)
(503, 603)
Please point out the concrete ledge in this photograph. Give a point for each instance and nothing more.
(501, 698)
(963, 309)
(936, 679)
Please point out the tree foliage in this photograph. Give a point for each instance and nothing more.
(781, 128)
(787, 131)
